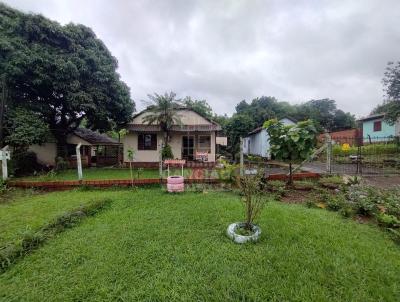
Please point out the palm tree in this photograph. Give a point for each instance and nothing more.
(162, 110)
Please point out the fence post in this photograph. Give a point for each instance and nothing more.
(241, 158)
(160, 166)
(328, 153)
(79, 161)
(5, 155)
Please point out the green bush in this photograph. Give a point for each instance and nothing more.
(388, 220)
(166, 152)
(276, 186)
(336, 202)
(61, 164)
(23, 163)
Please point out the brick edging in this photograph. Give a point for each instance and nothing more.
(65, 184)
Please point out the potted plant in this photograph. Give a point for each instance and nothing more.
(254, 199)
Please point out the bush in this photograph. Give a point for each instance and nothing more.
(61, 164)
(24, 163)
(336, 202)
(166, 152)
(388, 220)
(276, 186)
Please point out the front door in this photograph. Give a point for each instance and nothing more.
(188, 147)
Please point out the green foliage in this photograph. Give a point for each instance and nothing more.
(276, 186)
(131, 154)
(166, 152)
(236, 127)
(331, 181)
(371, 149)
(163, 110)
(64, 74)
(291, 142)
(227, 172)
(388, 220)
(61, 164)
(199, 106)
(25, 128)
(23, 163)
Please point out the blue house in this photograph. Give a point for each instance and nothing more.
(257, 141)
(374, 128)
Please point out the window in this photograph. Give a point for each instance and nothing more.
(204, 143)
(377, 126)
(147, 141)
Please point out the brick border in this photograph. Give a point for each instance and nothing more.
(67, 184)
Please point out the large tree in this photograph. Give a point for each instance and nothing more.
(200, 106)
(63, 74)
(391, 82)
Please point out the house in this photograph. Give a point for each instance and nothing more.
(194, 139)
(257, 141)
(96, 150)
(375, 129)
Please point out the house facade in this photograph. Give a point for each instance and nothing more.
(374, 128)
(96, 149)
(194, 139)
(257, 141)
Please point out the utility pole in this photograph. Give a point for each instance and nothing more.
(3, 97)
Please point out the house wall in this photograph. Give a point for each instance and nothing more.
(46, 153)
(368, 130)
(130, 142)
(258, 143)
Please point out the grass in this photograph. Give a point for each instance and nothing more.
(31, 212)
(154, 246)
(104, 173)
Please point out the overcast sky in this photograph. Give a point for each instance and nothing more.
(227, 51)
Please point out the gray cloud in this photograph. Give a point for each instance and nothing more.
(226, 51)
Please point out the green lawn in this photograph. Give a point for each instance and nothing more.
(157, 247)
(32, 212)
(104, 173)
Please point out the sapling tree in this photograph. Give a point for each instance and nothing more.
(291, 143)
(253, 197)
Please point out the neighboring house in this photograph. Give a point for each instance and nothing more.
(257, 141)
(194, 139)
(374, 128)
(96, 150)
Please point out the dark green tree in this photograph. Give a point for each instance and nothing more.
(199, 106)
(63, 74)
(236, 127)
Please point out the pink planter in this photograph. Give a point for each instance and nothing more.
(175, 180)
(175, 184)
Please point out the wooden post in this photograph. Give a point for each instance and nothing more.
(2, 107)
(79, 161)
(241, 158)
(160, 164)
(328, 153)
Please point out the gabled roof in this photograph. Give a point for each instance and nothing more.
(95, 138)
(212, 126)
(254, 131)
(372, 117)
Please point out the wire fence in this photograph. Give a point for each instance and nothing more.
(378, 155)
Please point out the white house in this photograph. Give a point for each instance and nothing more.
(194, 139)
(257, 141)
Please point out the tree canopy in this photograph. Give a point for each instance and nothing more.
(200, 106)
(63, 74)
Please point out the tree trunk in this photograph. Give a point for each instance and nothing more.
(290, 182)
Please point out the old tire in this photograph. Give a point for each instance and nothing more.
(175, 180)
(231, 232)
(175, 187)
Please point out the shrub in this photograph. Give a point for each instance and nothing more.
(166, 152)
(347, 211)
(388, 220)
(276, 186)
(24, 163)
(332, 181)
(61, 164)
(336, 202)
